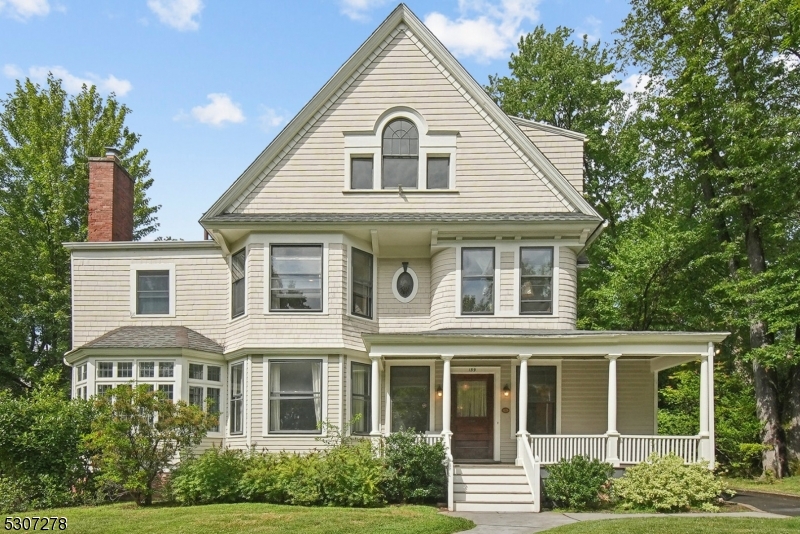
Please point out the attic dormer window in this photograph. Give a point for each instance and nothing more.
(400, 155)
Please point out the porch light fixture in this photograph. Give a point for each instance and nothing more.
(439, 391)
(506, 391)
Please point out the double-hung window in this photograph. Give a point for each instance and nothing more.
(536, 281)
(361, 398)
(237, 399)
(296, 278)
(238, 262)
(200, 394)
(477, 281)
(362, 284)
(542, 398)
(152, 292)
(295, 396)
(410, 392)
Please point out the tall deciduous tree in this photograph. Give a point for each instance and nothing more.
(46, 138)
(722, 119)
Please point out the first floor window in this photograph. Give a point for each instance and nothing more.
(125, 369)
(295, 278)
(167, 389)
(237, 398)
(102, 388)
(105, 370)
(362, 283)
(238, 263)
(541, 399)
(360, 397)
(166, 369)
(212, 405)
(196, 371)
(477, 281)
(213, 373)
(196, 396)
(295, 396)
(82, 373)
(152, 292)
(410, 392)
(147, 369)
(536, 280)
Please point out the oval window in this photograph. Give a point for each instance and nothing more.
(404, 284)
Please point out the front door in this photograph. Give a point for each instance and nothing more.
(472, 415)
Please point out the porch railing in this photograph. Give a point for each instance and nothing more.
(636, 449)
(430, 439)
(552, 448)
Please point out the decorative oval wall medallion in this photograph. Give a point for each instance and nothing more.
(405, 283)
(506, 410)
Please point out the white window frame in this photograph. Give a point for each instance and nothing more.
(247, 251)
(515, 394)
(205, 384)
(349, 391)
(324, 396)
(413, 294)
(431, 144)
(288, 241)
(518, 281)
(349, 288)
(495, 285)
(228, 399)
(135, 380)
(152, 267)
(388, 397)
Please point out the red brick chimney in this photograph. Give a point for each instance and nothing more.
(110, 199)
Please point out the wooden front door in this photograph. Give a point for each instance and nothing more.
(472, 417)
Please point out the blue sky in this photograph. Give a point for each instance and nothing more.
(211, 82)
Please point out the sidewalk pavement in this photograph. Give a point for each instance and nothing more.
(527, 523)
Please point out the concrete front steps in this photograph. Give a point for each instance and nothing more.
(491, 488)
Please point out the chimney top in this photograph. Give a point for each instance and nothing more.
(113, 151)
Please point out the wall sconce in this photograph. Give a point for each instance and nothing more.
(439, 391)
(506, 391)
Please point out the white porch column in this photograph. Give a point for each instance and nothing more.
(375, 396)
(522, 407)
(612, 435)
(705, 451)
(711, 437)
(446, 404)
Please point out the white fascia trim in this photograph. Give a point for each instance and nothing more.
(549, 128)
(387, 371)
(136, 266)
(266, 393)
(348, 72)
(514, 393)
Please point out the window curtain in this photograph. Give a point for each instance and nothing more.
(316, 377)
(471, 399)
(274, 403)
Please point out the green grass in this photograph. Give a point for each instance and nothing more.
(788, 486)
(682, 525)
(246, 518)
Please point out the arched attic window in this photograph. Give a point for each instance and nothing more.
(400, 155)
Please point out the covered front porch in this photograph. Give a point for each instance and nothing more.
(533, 398)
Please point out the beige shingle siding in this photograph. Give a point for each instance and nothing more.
(314, 166)
(508, 280)
(396, 316)
(568, 287)
(443, 288)
(102, 292)
(565, 153)
(257, 395)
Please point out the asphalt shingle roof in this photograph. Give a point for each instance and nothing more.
(154, 337)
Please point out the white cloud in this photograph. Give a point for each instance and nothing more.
(635, 83)
(358, 9)
(484, 30)
(593, 32)
(220, 110)
(70, 82)
(24, 9)
(271, 118)
(180, 14)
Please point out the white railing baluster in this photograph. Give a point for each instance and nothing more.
(632, 449)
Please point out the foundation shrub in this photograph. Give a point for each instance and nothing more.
(578, 483)
(417, 471)
(666, 484)
(352, 475)
(212, 477)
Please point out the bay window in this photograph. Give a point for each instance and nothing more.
(362, 284)
(477, 281)
(295, 396)
(238, 265)
(536, 281)
(296, 278)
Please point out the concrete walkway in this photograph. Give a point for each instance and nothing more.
(769, 502)
(527, 523)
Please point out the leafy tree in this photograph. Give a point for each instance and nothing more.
(46, 138)
(139, 433)
(720, 115)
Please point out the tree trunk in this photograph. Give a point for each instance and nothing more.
(793, 409)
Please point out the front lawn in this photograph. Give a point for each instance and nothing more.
(245, 518)
(682, 525)
(788, 485)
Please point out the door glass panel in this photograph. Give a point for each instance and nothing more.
(471, 398)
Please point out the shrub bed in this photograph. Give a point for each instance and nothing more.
(578, 483)
(666, 484)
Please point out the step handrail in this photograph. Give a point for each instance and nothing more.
(532, 468)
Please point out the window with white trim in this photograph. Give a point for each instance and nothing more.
(201, 394)
(536, 280)
(362, 274)
(236, 412)
(168, 390)
(147, 369)
(410, 393)
(361, 397)
(105, 369)
(400, 150)
(152, 292)
(542, 399)
(477, 281)
(296, 278)
(295, 396)
(362, 172)
(238, 269)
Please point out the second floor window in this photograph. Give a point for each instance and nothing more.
(536, 281)
(362, 284)
(400, 155)
(238, 262)
(152, 292)
(477, 281)
(295, 278)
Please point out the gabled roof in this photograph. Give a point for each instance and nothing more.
(154, 337)
(439, 55)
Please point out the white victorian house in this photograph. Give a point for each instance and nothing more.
(402, 253)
